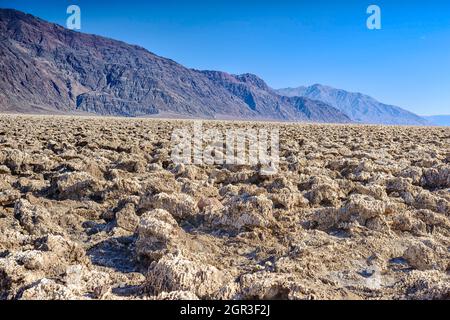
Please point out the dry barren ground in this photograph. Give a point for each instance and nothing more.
(94, 208)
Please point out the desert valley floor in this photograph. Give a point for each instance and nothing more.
(94, 208)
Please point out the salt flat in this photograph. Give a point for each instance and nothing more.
(95, 208)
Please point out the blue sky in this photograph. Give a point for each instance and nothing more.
(288, 43)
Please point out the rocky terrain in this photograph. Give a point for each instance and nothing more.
(48, 69)
(94, 208)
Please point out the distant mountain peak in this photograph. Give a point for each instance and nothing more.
(359, 107)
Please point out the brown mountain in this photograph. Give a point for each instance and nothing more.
(47, 68)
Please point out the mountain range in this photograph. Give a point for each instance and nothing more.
(48, 69)
(359, 107)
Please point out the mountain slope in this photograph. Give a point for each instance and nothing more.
(46, 68)
(359, 107)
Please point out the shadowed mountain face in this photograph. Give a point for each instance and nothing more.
(47, 68)
(359, 107)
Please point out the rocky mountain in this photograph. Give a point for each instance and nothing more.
(441, 120)
(47, 68)
(359, 107)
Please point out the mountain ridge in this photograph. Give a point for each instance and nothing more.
(359, 107)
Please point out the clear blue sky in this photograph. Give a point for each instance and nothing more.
(288, 43)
